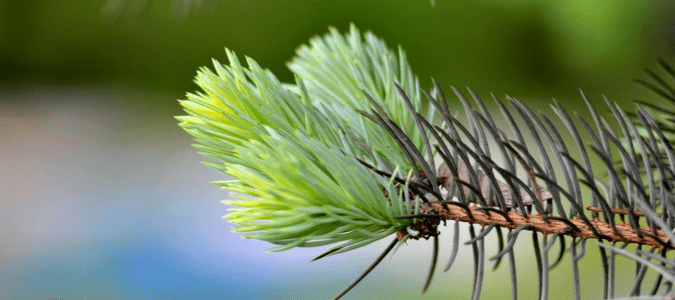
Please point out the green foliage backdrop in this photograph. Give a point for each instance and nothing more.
(528, 49)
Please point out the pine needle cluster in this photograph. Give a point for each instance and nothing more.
(355, 151)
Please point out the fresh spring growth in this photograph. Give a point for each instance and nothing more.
(292, 149)
(345, 156)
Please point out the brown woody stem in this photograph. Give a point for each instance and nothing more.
(617, 211)
(624, 232)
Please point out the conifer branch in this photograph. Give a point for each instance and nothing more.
(350, 155)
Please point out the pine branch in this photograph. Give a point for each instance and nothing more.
(349, 153)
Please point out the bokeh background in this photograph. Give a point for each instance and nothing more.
(102, 196)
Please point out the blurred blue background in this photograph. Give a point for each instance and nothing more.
(102, 196)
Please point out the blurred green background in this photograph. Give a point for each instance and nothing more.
(523, 48)
(103, 198)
